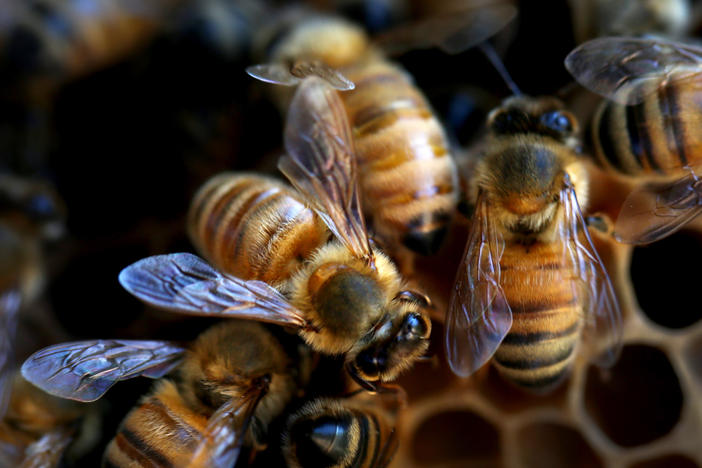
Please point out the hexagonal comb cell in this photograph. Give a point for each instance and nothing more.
(666, 289)
(551, 445)
(457, 435)
(636, 401)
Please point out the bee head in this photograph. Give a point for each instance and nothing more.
(533, 141)
(544, 116)
(394, 343)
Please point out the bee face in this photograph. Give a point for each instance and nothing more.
(532, 140)
(394, 344)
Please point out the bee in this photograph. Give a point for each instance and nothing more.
(531, 283)
(647, 129)
(408, 178)
(58, 40)
(236, 377)
(38, 428)
(30, 214)
(599, 18)
(341, 433)
(345, 298)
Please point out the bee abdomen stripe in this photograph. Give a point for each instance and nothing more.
(544, 361)
(529, 338)
(607, 147)
(137, 450)
(639, 136)
(542, 382)
(675, 132)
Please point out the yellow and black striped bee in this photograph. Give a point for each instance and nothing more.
(530, 284)
(344, 297)
(234, 379)
(342, 433)
(58, 40)
(40, 430)
(600, 18)
(648, 129)
(408, 178)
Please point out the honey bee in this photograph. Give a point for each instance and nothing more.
(346, 298)
(341, 433)
(231, 383)
(408, 178)
(531, 282)
(599, 18)
(64, 39)
(30, 213)
(38, 428)
(648, 128)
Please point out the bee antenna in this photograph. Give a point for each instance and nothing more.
(489, 51)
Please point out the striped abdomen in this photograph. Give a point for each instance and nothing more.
(253, 227)
(658, 136)
(340, 434)
(540, 346)
(161, 431)
(408, 177)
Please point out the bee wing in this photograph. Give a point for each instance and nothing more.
(48, 449)
(479, 316)
(654, 210)
(321, 162)
(592, 287)
(9, 310)
(283, 74)
(225, 431)
(185, 283)
(627, 69)
(453, 31)
(85, 370)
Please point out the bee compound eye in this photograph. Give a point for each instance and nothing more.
(558, 121)
(415, 326)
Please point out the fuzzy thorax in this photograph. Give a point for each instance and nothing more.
(329, 286)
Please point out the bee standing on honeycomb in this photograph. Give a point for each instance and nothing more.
(531, 283)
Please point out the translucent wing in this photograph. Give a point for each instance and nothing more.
(627, 69)
(479, 316)
(85, 370)
(9, 310)
(185, 283)
(653, 210)
(47, 451)
(592, 287)
(292, 75)
(225, 431)
(453, 31)
(321, 162)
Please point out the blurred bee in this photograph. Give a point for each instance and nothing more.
(408, 178)
(343, 297)
(598, 18)
(57, 40)
(39, 429)
(530, 283)
(648, 129)
(30, 213)
(342, 433)
(230, 384)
